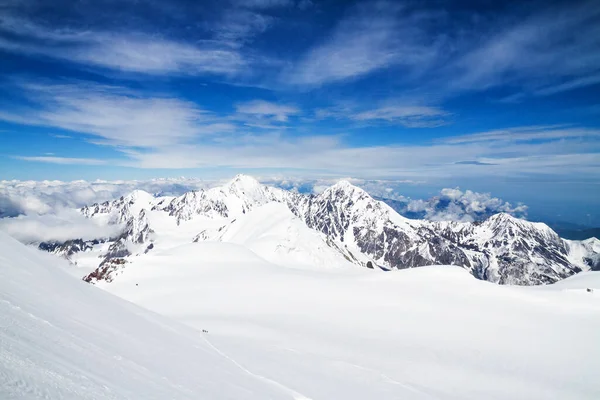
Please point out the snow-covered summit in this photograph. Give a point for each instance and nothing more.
(344, 185)
(121, 210)
(236, 197)
(509, 225)
(242, 184)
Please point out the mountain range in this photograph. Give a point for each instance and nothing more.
(342, 227)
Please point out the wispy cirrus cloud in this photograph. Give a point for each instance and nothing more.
(157, 132)
(165, 133)
(130, 51)
(261, 108)
(541, 51)
(64, 160)
(115, 116)
(373, 37)
(392, 112)
(570, 84)
(238, 26)
(408, 116)
(553, 49)
(318, 155)
(528, 133)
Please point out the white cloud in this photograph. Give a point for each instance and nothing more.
(63, 160)
(115, 116)
(47, 197)
(167, 133)
(47, 208)
(409, 116)
(63, 225)
(408, 112)
(132, 52)
(263, 108)
(528, 133)
(569, 85)
(374, 37)
(157, 56)
(456, 205)
(559, 157)
(238, 26)
(557, 43)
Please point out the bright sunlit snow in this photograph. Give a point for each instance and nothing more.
(425, 333)
(61, 338)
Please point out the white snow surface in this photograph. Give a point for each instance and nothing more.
(61, 338)
(581, 281)
(580, 249)
(274, 233)
(423, 333)
(288, 333)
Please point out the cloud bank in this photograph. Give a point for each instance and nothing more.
(48, 197)
(55, 198)
(60, 226)
(456, 205)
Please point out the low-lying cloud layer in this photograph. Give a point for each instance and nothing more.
(48, 197)
(456, 205)
(59, 226)
(46, 210)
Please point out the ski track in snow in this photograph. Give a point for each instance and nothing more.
(391, 380)
(295, 395)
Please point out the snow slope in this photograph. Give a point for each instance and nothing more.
(585, 252)
(582, 281)
(274, 233)
(424, 333)
(61, 338)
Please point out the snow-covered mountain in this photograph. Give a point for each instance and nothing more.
(587, 251)
(509, 250)
(238, 197)
(369, 230)
(341, 225)
(121, 210)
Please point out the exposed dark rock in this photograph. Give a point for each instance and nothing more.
(106, 271)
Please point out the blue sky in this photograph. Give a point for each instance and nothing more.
(502, 97)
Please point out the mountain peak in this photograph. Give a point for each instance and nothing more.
(503, 218)
(138, 194)
(345, 186)
(244, 181)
